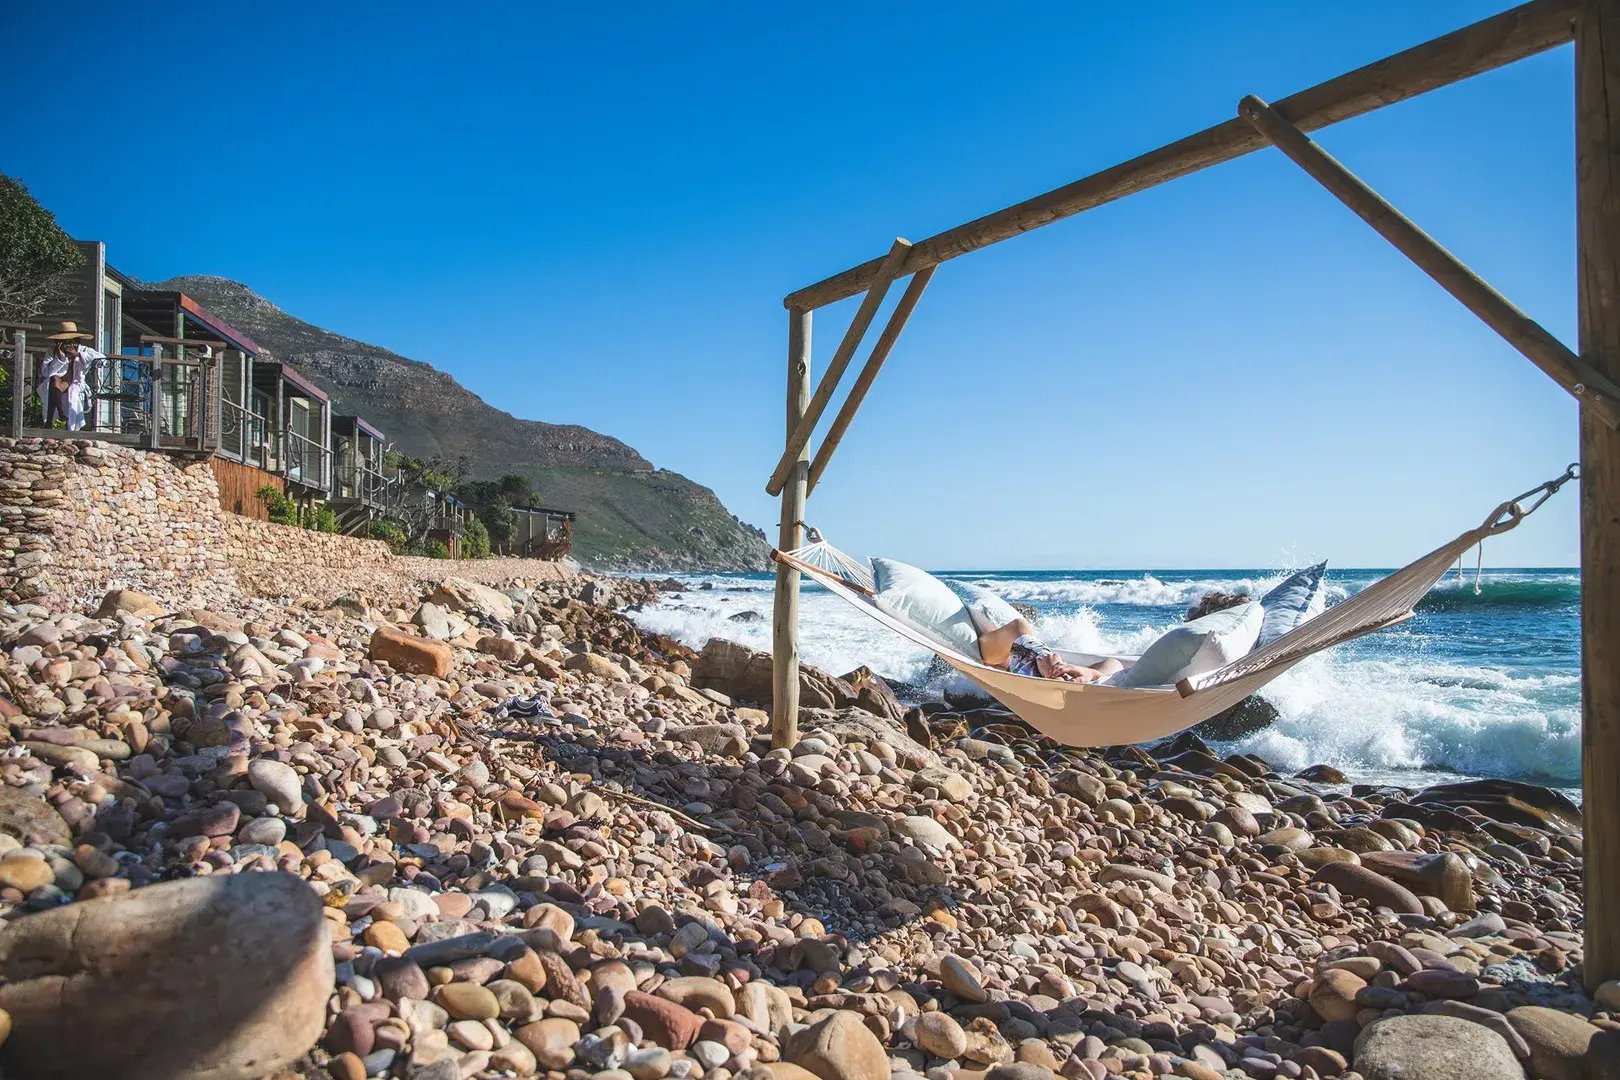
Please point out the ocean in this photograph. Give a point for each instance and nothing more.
(1479, 684)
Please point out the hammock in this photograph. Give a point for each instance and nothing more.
(1095, 714)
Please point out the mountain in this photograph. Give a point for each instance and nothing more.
(631, 515)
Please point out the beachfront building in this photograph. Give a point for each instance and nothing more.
(179, 378)
(299, 415)
(443, 518)
(542, 533)
(363, 484)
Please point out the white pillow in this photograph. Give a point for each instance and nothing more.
(1196, 647)
(987, 610)
(1301, 595)
(920, 597)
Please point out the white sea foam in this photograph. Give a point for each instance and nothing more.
(1143, 591)
(1364, 708)
(1364, 714)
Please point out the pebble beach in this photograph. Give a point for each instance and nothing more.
(436, 827)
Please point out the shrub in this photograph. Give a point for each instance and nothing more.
(475, 543)
(389, 533)
(277, 506)
(436, 549)
(322, 518)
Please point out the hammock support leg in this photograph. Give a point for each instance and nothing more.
(1597, 179)
(785, 617)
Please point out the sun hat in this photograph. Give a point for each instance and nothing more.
(70, 332)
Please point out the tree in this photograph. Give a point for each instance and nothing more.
(37, 259)
(516, 490)
(500, 520)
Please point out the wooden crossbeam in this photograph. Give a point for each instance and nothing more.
(869, 373)
(1529, 337)
(1484, 46)
(888, 270)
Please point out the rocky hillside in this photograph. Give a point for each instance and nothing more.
(631, 515)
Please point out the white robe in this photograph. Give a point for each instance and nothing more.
(78, 391)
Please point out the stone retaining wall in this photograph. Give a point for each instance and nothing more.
(78, 517)
(278, 560)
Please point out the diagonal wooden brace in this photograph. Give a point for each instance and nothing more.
(839, 363)
(869, 373)
(1530, 338)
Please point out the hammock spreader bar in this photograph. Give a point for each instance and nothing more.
(1094, 714)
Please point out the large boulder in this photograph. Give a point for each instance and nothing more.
(1558, 1041)
(839, 1047)
(1433, 1048)
(1511, 802)
(408, 653)
(745, 674)
(458, 594)
(221, 977)
(129, 602)
(1440, 874)
(1352, 879)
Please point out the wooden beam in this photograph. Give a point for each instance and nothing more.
(863, 382)
(1491, 43)
(785, 618)
(1526, 335)
(1597, 200)
(799, 437)
(181, 342)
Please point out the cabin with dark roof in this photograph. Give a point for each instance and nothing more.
(363, 486)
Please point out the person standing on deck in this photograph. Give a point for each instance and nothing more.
(56, 373)
(82, 358)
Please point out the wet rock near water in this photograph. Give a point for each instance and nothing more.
(493, 829)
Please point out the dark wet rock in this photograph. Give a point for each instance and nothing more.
(1254, 713)
(1512, 802)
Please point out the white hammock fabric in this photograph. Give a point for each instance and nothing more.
(1092, 714)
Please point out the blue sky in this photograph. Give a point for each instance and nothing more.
(591, 216)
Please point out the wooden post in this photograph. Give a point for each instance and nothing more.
(799, 437)
(283, 445)
(1597, 200)
(1526, 335)
(785, 621)
(869, 373)
(154, 427)
(19, 388)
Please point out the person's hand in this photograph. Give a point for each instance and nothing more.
(1053, 666)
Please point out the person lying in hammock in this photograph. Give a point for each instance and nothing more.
(1017, 648)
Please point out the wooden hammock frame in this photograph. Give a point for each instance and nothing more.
(1590, 372)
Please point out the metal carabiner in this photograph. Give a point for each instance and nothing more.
(1548, 490)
